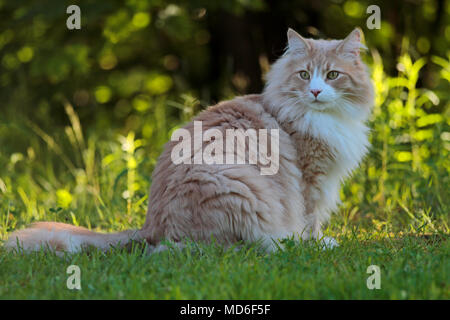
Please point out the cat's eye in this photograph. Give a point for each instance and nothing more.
(332, 75)
(304, 75)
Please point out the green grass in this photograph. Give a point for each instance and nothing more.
(411, 268)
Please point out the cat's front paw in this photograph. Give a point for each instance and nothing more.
(329, 243)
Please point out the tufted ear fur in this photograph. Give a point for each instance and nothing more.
(296, 43)
(352, 44)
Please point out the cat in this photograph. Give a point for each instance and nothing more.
(318, 96)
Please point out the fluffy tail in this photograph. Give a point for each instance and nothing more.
(64, 237)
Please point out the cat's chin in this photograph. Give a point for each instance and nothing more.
(321, 106)
(334, 109)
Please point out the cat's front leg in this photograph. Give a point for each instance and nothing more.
(314, 197)
(325, 242)
(329, 242)
(317, 234)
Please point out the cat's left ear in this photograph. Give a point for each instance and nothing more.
(352, 44)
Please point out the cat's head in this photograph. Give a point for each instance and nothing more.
(320, 76)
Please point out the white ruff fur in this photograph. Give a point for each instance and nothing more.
(349, 141)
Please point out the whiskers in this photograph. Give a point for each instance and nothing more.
(293, 92)
(358, 98)
(347, 107)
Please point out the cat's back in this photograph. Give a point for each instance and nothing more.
(240, 112)
(200, 197)
(243, 112)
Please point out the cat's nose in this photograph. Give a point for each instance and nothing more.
(315, 92)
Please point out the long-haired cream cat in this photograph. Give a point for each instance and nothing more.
(318, 95)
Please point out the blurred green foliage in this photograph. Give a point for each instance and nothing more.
(85, 113)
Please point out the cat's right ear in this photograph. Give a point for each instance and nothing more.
(296, 43)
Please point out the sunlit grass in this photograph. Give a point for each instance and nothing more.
(410, 268)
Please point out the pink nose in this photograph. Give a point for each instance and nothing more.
(315, 92)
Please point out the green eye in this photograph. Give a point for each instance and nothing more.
(332, 75)
(304, 75)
